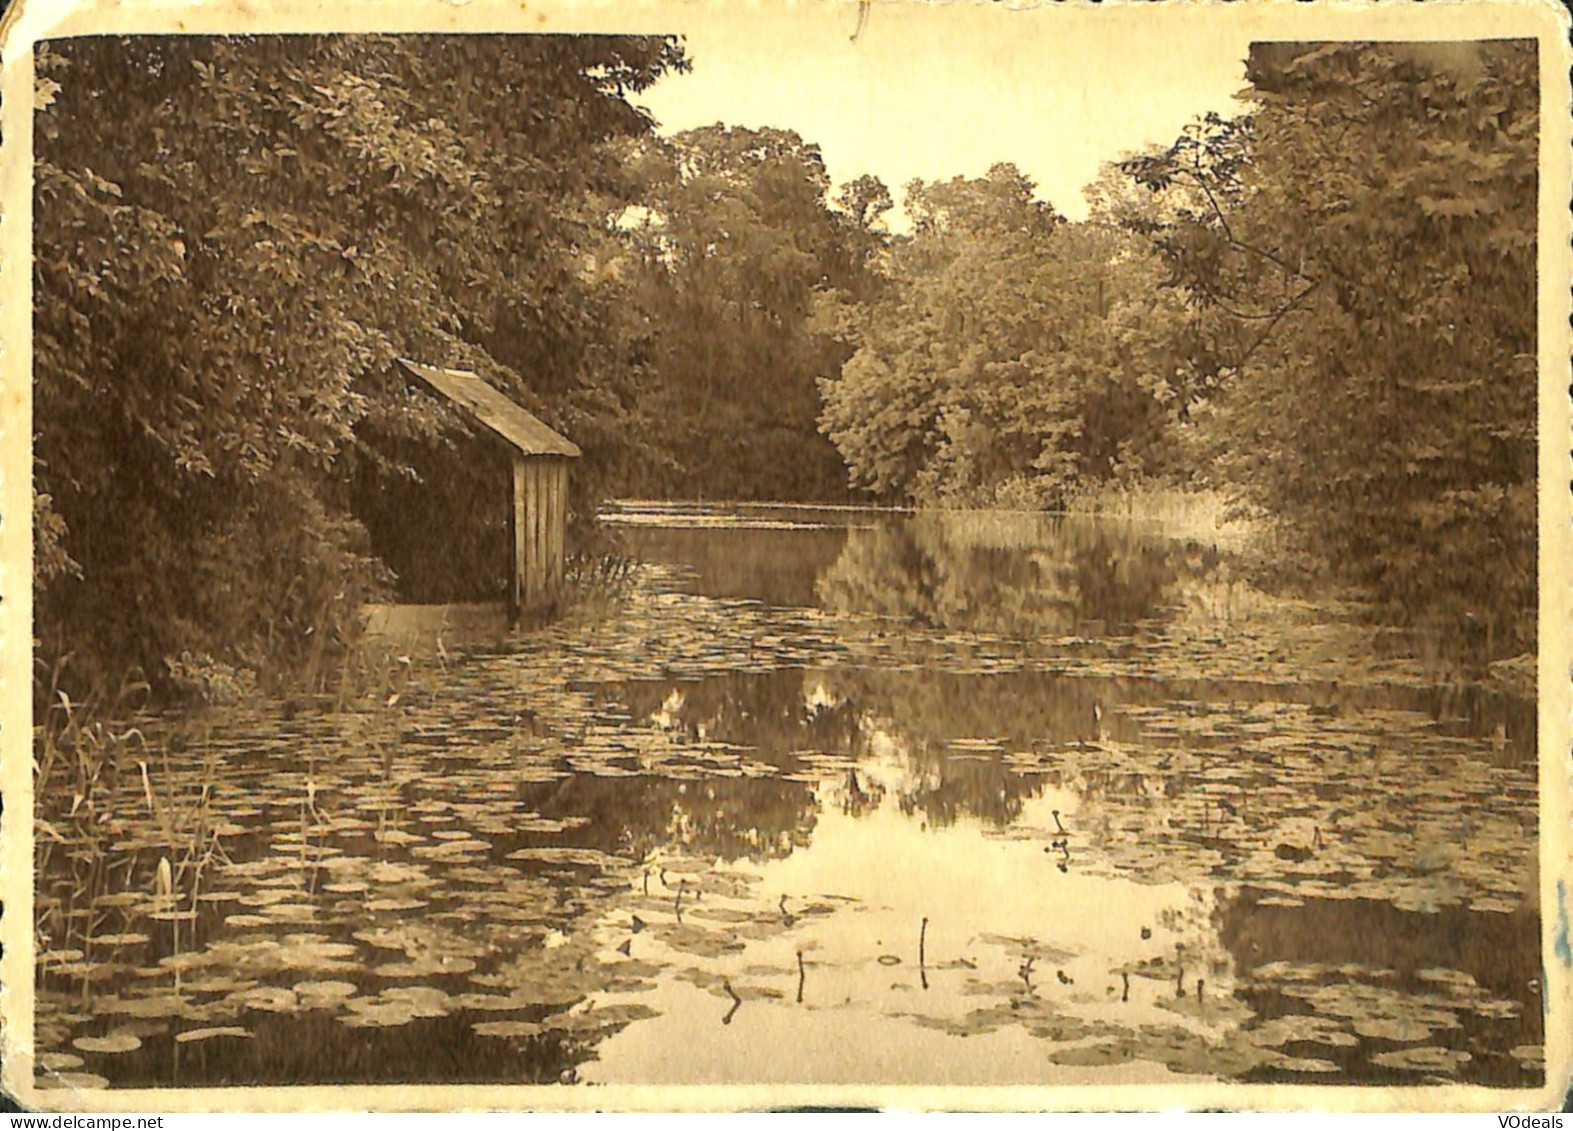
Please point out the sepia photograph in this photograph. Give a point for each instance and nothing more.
(637, 551)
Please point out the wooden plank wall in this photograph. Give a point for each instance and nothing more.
(537, 531)
(539, 520)
(532, 511)
(518, 534)
(559, 548)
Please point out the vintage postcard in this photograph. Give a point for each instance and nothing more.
(659, 555)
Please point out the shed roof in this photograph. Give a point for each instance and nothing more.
(521, 429)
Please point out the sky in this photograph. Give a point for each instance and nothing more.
(936, 92)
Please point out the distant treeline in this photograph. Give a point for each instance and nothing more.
(1325, 304)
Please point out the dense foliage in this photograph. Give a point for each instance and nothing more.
(1326, 304)
(1367, 235)
(735, 247)
(1012, 356)
(221, 291)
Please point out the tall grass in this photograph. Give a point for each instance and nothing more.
(112, 816)
(1201, 515)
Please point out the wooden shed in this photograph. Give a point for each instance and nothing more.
(538, 514)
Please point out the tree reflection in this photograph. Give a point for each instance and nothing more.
(1458, 978)
(923, 714)
(731, 818)
(1501, 952)
(770, 717)
(1008, 574)
(778, 566)
(777, 714)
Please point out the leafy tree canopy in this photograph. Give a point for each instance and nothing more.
(733, 252)
(234, 239)
(1367, 232)
(1012, 356)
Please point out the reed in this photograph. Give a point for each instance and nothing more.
(105, 803)
(1200, 515)
(597, 584)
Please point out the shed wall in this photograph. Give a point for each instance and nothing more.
(538, 535)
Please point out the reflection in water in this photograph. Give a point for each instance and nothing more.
(1014, 575)
(935, 799)
(910, 938)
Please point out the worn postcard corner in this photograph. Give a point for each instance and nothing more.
(663, 555)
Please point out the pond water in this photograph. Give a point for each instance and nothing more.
(833, 796)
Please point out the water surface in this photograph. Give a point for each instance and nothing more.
(836, 796)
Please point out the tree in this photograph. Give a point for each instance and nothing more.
(728, 261)
(234, 238)
(1011, 357)
(1369, 231)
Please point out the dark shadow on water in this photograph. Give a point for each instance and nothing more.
(1369, 944)
(308, 1048)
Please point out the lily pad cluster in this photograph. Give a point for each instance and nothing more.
(541, 845)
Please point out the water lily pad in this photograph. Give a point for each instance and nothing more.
(397, 836)
(57, 1061)
(1496, 906)
(508, 1029)
(423, 1001)
(191, 960)
(172, 916)
(270, 999)
(312, 954)
(243, 921)
(59, 957)
(372, 1013)
(495, 1003)
(1301, 1027)
(1401, 1029)
(386, 873)
(1093, 1056)
(291, 912)
(574, 857)
(1308, 1064)
(117, 1042)
(535, 823)
(264, 898)
(323, 995)
(1446, 977)
(1427, 1059)
(215, 984)
(191, 1035)
(600, 1017)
